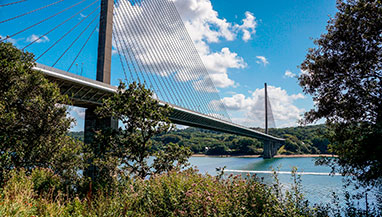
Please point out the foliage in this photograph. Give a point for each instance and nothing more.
(185, 193)
(33, 123)
(343, 74)
(299, 140)
(127, 149)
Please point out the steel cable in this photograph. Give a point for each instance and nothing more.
(172, 5)
(29, 12)
(170, 53)
(190, 47)
(158, 56)
(41, 21)
(82, 47)
(135, 49)
(12, 3)
(176, 17)
(74, 41)
(63, 36)
(60, 24)
(187, 48)
(128, 53)
(153, 57)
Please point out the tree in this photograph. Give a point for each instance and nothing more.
(33, 122)
(128, 148)
(343, 73)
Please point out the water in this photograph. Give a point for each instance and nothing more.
(317, 185)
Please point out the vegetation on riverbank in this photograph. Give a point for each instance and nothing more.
(185, 193)
(298, 140)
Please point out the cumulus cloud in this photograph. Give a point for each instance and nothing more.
(149, 43)
(285, 113)
(205, 27)
(37, 39)
(289, 74)
(262, 60)
(248, 27)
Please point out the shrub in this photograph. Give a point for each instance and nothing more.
(176, 193)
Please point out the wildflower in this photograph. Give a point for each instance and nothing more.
(208, 198)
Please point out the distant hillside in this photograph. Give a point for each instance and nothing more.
(299, 140)
(77, 135)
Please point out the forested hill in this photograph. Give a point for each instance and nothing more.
(299, 140)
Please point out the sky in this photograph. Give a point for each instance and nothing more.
(242, 43)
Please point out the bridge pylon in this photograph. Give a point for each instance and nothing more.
(270, 147)
(92, 123)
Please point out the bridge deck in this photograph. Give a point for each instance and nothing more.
(86, 93)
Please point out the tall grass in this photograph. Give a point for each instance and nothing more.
(177, 193)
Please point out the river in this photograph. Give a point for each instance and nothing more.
(317, 185)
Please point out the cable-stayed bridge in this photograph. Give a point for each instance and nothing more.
(147, 42)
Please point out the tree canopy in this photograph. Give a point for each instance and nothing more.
(33, 121)
(343, 73)
(128, 148)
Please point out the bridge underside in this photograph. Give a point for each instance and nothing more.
(89, 93)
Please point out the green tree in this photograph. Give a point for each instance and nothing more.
(128, 149)
(245, 145)
(343, 73)
(33, 123)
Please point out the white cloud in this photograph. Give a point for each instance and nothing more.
(262, 60)
(204, 27)
(284, 111)
(77, 112)
(248, 27)
(289, 74)
(11, 40)
(36, 39)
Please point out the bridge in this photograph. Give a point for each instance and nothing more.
(178, 78)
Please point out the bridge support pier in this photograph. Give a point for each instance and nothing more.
(93, 124)
(270, 149)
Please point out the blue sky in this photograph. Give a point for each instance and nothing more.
(242, 43)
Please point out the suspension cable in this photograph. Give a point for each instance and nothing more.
(60, 24)
(154, 55)
(172, 5)
(82, 47)
(164, 56)
(188, 45)
(129, 55)
(66, 34)
(12, 3)
(74, 41)
(21, 15)
(42, 21)
(178, 58)
(120, 59)
(138, 49)
(119, 43)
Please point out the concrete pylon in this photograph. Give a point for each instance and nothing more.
(270, 149)
(92, 123)
(105, 41)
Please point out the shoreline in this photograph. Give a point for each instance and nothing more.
(276, 156)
